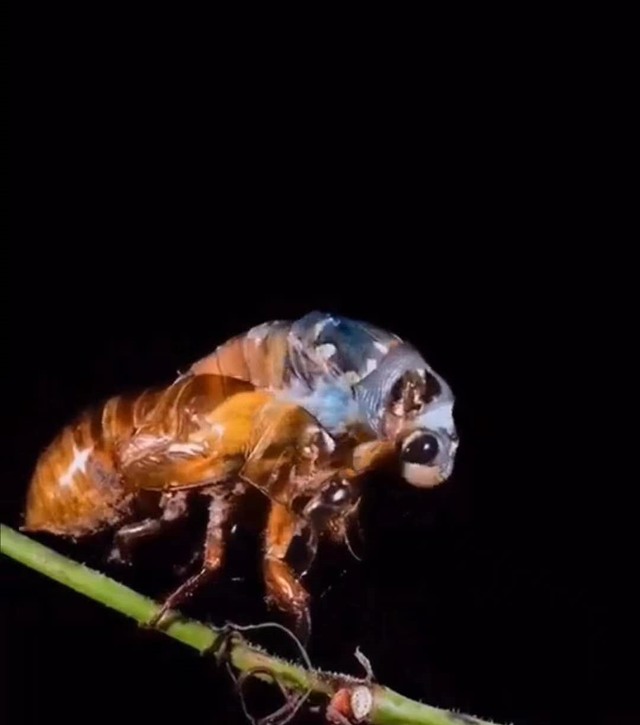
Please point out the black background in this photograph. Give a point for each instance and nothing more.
(169, 191)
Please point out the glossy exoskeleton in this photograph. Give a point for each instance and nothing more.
(299, 411)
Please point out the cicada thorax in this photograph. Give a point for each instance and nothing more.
(76, 487)
(289, 453)
(221, 428)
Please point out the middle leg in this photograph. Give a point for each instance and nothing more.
(220, 509)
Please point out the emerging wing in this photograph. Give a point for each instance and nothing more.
(336, 350)
(180, 443)
(207, 428)
(155, 461)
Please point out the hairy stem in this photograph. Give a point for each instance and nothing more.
(389, 708)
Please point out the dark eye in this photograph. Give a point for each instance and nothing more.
(422, 449)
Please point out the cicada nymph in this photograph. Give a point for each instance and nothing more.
(300, 411)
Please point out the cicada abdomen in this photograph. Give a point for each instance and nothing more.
(85, 479)
(76, 487)
(203, 433)
(259, 356)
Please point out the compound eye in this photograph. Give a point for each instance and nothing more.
(422, 449)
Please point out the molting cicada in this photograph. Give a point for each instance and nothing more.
(299, 410)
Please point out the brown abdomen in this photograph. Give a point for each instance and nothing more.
(75, 488)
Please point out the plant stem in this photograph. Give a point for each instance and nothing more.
(389, 708)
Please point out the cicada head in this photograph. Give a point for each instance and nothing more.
(405, 400)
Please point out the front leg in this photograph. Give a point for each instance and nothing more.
(284, 589)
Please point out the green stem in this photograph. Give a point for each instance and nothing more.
(389, 708)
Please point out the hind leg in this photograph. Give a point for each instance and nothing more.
(174, 507)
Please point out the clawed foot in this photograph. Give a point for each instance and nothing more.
(162, 619)
(119, 556)
(178, 597)
(302, 625)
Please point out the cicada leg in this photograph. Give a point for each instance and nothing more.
(333, 510)
(283, 587)
(174, 507)
(220, 510)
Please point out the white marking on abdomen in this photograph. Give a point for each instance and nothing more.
(77, 465)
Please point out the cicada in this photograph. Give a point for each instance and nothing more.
(299, 411)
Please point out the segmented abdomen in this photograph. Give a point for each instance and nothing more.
(76, 488)
(83, 480)
(258, 356)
